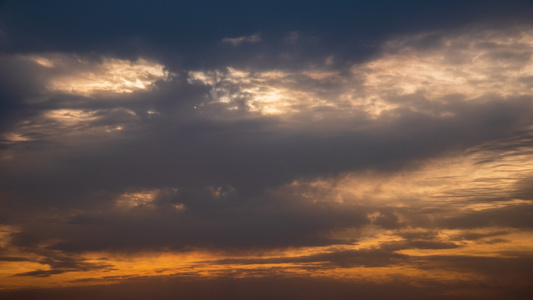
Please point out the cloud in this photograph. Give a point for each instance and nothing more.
(59, 263)
(413, 73)
(40, 273)
(11, 258)
(271, 287)
(344, 259)
(145, 223)
(295, 160)
(76, 75)
(254, 38)
(293, 151)
(50, 75)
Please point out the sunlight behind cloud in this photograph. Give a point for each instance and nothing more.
(264, 93)
(137, 199)
(266, 150)
(71, 125)
(431, 66)
(467, 64)
(476, 180)
(75, 75)
(147, 199)
(71, 116)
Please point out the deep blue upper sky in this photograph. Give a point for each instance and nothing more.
(189, 25)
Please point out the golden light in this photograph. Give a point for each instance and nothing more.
(71, 116)
(466, 65)
(80, 76)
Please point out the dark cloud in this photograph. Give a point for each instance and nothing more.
(265, 288)
(41, 273)
(343, 259)
(59, 263)
(515, 216)
(216, 154)
(474, 236)
(12, 258)
(504, 269)
(205, 222)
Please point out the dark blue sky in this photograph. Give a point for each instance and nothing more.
(190, 26)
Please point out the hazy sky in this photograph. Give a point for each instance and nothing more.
(266, 149)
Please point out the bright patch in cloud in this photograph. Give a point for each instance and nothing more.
(149, 198)
(477, 180)
(16, 137)
(85, 77)
(137, 199)
(468, 65)
(71, 116)
(266, 93)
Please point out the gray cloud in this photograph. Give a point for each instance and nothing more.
(254, 38)
(263, 288)
(344, 259)
(510, 216)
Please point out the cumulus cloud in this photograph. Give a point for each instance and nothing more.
(429, 67)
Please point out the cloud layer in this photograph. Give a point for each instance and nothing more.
(294, 155)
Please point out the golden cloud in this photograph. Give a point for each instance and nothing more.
(75, 75)
(467, 65)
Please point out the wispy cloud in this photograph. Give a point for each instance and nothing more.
(82, 76)
(254, 38)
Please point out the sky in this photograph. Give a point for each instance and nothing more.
(266, 149)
